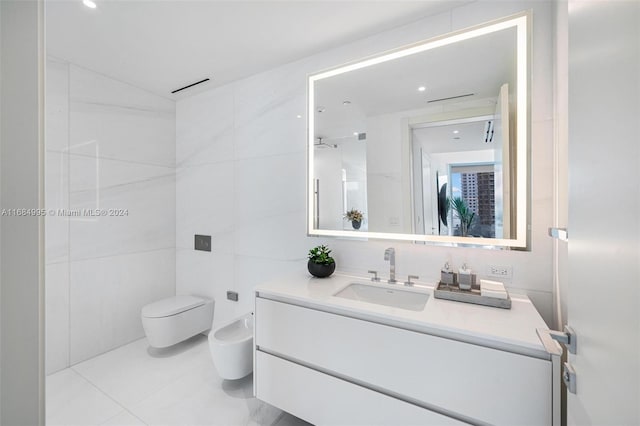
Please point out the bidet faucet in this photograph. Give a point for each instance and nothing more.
(390, 255)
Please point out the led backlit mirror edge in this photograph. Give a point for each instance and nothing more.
(521, 22)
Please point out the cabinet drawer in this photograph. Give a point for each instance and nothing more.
(325, 400)
(473, 381)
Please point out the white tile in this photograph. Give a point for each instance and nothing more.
(124, 419)
(208, 274)
(88, 173)
(56, 197)
(269, 186)
(203, 398)
(205, 204)
(57, 317)
(133, 372)
(266, 107)
(57, 105)
(107, 295)
(122, 133)
(280, 237)
(125, 122)
(148, 225)
(89, 87)
(204, 127)
(72, 400)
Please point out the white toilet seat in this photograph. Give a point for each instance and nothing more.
(171, 306)
(174, 319)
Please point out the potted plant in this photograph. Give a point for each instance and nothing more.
(321, 264)
(355, 216)
(464, 213)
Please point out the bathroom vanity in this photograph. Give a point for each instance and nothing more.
(337, 351)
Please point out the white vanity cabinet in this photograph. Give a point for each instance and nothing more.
(332, 366)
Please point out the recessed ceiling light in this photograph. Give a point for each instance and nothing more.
(89, 3)
(355, 133)
(346, 103)
(421, 89)
(321, 109)
(455, 132)
(298, 116)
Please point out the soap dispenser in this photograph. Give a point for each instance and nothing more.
(466, 278)
(447, 276)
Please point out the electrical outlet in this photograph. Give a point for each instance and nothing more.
(499, 271)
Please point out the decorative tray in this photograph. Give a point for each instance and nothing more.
(453, 292)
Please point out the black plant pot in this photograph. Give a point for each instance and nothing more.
(319, 270)
(356, 224)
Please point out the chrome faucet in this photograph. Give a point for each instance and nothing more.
(390, 255)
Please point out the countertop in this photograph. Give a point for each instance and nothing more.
(512, 330)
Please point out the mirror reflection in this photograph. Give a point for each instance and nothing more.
(423, 144)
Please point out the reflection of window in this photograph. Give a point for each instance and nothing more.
(477, 189)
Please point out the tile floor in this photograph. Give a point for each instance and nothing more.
(139, 385)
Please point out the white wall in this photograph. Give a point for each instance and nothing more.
(241, 176)
(21, 369)
(109, 146)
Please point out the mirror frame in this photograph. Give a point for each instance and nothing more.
(521, 22)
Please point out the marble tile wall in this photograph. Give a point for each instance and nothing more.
(241, 174)
(108, 146)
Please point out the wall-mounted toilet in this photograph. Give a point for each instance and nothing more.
(231, 347)
(174, 319)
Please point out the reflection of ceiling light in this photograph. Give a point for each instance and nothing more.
(321, 109)
(346, 103)
(355, 133)
(455, 132)
(298, 116)
(421, 89)
(89, 3)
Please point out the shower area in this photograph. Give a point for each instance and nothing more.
(110, 184)
(341, 180)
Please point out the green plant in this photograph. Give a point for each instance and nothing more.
(353, 215)
(463, 212)
(320, 255)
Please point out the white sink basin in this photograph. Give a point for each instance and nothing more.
(387, 295)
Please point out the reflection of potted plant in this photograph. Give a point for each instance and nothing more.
(321, 264)
(355, 216)
(465, 214)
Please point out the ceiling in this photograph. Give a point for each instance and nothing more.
(164, 45)
(442, 139)
(477, 67)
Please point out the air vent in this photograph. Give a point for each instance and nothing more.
(191, 85)
(449, 98)
(488, 131)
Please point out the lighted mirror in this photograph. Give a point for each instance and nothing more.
(425, 143)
